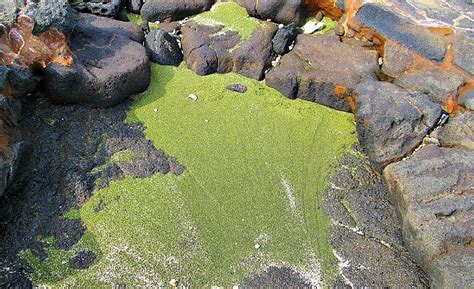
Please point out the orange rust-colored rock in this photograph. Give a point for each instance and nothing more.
(328, 6)
(18, 45)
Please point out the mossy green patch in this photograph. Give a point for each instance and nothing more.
(232, 16)
(137, 19)
(329, 25)
(255, 166)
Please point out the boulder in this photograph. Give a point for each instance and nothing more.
(109, 64)
(211, 49)
(284, 37)
(12, 161)
(160, 10)
(280, 11)
(459, 132)
(434, 192)
(105, 8)
(324, 70)
(134, 6)
(391, 122)
(468, 99)
(396, 59)
(163, 48)
(49, 14)
(390, 24)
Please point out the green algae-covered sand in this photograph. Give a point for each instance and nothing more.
(249, 197)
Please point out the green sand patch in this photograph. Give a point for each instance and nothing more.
(137, 19)
(232, 16)
(249, 197)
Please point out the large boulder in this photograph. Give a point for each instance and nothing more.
(105, 8)
(109, 65)
(434, 193)
(160, 10)
(390, 24)
(280, 11)
(391, 122)
(211, 49)
(324, 70)
(163, 48)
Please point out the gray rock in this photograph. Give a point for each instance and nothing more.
(437, 83)
(390, 122)
(433, 189)
(8, 11)
(160, 10)
(468, 100)
(463, 49)
(237, 87)
(163, 48)
(459, 132)
(113, 67)
(105, 8)
(324, 70)
(52, 14)
(396, 59)
(387, 22)
(280, 11)
(284, 37)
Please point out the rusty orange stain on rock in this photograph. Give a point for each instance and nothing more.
(328, 6)
(340, 91)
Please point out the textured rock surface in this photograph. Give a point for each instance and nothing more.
(109, 64)
(434, 191)
(159, 10)
(134, 5)
(284, 37)
(280, 11)
(51, 14)
(163, 48)
(390, 24)
(324, 70)
(459, 132)
(390, 122)
(105, 8)
(207, 51)
(463, 49)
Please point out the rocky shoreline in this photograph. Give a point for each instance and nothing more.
(404, 70)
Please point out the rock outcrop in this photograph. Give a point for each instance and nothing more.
(323, 70)
(163, 48)
(280, 11)
(434, 190)
(391, 122)
(171, 10)
(110, 64)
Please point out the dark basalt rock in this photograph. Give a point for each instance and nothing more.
(433, 189)
(51, 14)
(109, 64)
(324, 70)
(134, 6)
(105, 8)
(390, 122)
(160, 10)
(284, 37)
(280, 11)
(392, 25)
(12, 161)
(237, 87)
(83, 260)
(206, 51)
(163, 48)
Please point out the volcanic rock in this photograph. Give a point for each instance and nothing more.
(284, 37)
(322, 69)
(280, 11)
(163, 48)
(109, 65)
(160, 10)
(459, 132)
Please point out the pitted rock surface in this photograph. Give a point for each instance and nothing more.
(171, 10)
(280, 11)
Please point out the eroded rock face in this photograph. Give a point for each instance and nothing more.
(110, 64)
(105, 8)
(390, 122)
(324, 70)
(207, 51)
(280, 11)
(459, 132)
(387, 22)
(160, 10)
(434, 189)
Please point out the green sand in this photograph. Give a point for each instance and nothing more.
(255, 163)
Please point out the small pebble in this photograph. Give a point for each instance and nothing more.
(340, 30)
(380, 60)
(155, 109)
(174, 283)
(193, 97)
(257, 246)
(319, 16)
